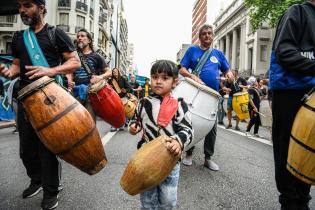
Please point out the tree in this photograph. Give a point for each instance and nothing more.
(268, 11)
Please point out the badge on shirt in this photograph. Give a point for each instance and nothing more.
(213, 59)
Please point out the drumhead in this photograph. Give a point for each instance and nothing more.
(203, 87)
(240, 93)
(94, 88)
(34, 86)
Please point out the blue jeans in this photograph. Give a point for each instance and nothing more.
(220, 110)
(163, 196)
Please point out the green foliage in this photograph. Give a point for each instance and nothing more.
(267, 11)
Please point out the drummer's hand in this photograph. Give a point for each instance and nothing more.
(134, 129)
(96, 78)
(70, 85)
(196, 78)
(4, 71)
(226, 90)
(38, 71)
(174, 147)
(255, 109)
(123, 90)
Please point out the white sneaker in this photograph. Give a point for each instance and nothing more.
(247, 134)
(211, 165)
(187, 161)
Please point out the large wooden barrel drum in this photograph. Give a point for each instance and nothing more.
(148, 167)
(63, 125)
(301, 154)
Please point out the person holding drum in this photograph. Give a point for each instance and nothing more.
(207, 72)
(233, 86)
(121, 86)
(177, 125)
(41, 165)
(291, 76)
(253, 106)
(93, 69)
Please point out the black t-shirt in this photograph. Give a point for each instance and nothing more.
(134, 85)
(254, 95)
(97, 65)
(19, 51)
(235, 88)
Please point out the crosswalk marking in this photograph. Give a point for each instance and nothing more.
(107, 137)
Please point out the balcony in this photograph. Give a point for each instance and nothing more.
(7, 21)
(81, 6)
(91, 11)
(103, 18)
(65, 28)
(64, 3)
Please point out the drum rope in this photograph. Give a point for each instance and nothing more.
(308, 94)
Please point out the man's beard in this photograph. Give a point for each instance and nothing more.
(30, 20)
(81, 45)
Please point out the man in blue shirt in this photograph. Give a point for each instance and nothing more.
(208, 75)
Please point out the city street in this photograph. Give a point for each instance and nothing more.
(245, 179)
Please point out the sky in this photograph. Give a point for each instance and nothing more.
(158, 28)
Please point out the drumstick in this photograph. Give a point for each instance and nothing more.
(261, 114)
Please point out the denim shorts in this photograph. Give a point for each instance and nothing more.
(229, 103)
(163, 196)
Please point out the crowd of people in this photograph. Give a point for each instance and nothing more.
(81, 66)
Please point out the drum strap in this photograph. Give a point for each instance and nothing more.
(35, 52)
(116, 86)
(202, 61)
(85, 64)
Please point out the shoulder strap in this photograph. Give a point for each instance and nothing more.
(116, 85)
(85, 63)
(35, 53)
(202, 61)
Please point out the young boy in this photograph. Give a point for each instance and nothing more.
(164, 75)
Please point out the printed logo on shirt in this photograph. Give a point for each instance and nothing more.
(213, 59)
(309, 55)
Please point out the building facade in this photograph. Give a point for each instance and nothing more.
(199, 17)
(72, 15)
(181, 52)
(246, 50)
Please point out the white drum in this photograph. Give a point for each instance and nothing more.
(202, 103)
(266, 117)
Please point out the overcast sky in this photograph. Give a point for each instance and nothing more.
(158, 28)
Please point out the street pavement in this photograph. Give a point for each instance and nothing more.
(245, 180)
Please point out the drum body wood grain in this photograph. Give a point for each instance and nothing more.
(301, 154)
(107, 104)
(148, 167)
(63, 125)
(202, 103)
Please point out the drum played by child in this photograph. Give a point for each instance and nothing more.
(145, 170)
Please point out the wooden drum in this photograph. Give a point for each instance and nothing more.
(148, 167)
(107, 104)
(63, 125)
(301, 154)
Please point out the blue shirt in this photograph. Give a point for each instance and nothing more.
(210, 72)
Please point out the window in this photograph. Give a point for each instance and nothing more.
(91, 26)
(263, 53)
(80, 21)
(64, 19)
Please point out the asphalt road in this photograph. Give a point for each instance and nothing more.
(245, 180)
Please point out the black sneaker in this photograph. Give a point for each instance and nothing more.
(228, 126)
(49, 202)
(32, 190)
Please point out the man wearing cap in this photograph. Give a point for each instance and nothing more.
(41, 165)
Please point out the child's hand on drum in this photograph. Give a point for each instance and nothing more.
(134, 129)
(173, 147)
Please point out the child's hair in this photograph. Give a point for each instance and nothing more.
(165, 66)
